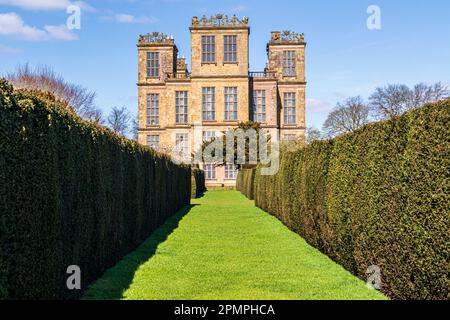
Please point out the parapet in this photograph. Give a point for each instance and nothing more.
(219, 21)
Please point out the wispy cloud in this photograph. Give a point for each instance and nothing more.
(45, 4)
(239, 8)
(8, 50)
(129, 18)
(60, 32)
(11, 24)
(318, 106)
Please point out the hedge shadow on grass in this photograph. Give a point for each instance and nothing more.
(116, 280)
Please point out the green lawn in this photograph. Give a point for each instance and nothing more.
(223, 247)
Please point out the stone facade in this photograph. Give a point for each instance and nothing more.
(282, 80)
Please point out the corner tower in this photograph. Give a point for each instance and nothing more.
(286, 55)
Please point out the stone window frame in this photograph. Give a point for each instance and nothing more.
(181, 107)
(231, 103)
(230, 49)
(208, 103)
(259, 106)
(208, 49)
(289, 67)
(230, 171)
(153, 109)
(152, 64)
(290, 112)
(210, 171)
(208, 135)
(153, 141)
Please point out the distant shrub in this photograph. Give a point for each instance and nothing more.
(377, 196)
(198, 186)
(73, 193)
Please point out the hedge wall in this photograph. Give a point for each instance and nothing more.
(378, 196)
(198, 183)
(73, 193)
(244, 182)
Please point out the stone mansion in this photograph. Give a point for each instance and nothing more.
(219, 91)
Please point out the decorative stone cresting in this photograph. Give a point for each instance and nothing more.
(155, 37)
(287, 36)
(219, 20)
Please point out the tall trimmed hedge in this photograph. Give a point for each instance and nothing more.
(378, 196)
(198, 185)
(73, 193)
(244, 181)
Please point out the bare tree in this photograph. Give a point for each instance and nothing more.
(134, 128)
(313, 134)
(346, 117)
(44, 78)
(422, 94)
(394, 100)
(119, 120)
(390, 101)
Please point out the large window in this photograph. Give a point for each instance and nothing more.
(259, 106)
(208, 49)
(230, 103)
(208, 135)
(289, 108)
(289, 63)
(153, 141)
(209, 103)
(229, 47)
(210, 171)
(182, 143)
(152, 64)
(153, 109)
(181, 106)
(230, 171)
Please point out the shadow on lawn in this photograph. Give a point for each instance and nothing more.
(201, 195)
(117, 280)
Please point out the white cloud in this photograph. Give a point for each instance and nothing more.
(12, 24)
(46, 4)
(84, 6)
(129, 18)
(60, 32)
(239, 8)
(8, 50)
(317, 106)
(38, 4)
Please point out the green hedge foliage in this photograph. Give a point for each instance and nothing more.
(378, 196)
(244, 182)
(73, 193)
(198, 186)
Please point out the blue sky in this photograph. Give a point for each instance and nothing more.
(344, 58)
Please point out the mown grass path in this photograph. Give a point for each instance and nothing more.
(223, 247)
